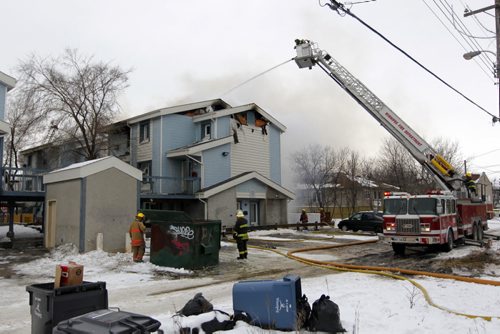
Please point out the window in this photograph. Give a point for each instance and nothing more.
(144, 131)
(395, 206)
(423, 206)
(206, 130)
(356, 217)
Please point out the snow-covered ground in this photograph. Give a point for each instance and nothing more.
(368, 303)
(20, 231)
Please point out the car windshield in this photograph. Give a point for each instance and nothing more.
(395, 206)
(422, 206)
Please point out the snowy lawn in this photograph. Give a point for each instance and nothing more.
(368, 303)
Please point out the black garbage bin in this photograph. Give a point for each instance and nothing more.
(109, 321)
(49, 305)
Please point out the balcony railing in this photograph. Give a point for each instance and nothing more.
(166, 185)
(22, 179)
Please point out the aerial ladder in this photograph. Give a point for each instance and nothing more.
(446, 176)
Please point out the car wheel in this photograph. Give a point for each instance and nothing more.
(448, 246)
(344, 228)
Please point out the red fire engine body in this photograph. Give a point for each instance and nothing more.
(434, 219)
(437, 218)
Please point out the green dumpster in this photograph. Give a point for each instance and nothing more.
(179, 241)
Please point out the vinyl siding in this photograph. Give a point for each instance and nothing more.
(275, 152)
(145, 149)
(177, 131)
(251, 153)
(223, 126)
(217, 168)
(251, 188)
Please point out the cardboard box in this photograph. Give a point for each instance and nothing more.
(68, 274)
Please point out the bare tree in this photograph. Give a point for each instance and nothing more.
(26, 122)
(314, 167)
(78, 96)
(397, 167)
(450, 150)
(352, 170)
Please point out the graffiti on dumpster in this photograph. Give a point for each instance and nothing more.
(182, 231)
(180, 247)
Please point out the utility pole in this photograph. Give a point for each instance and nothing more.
(496, 6)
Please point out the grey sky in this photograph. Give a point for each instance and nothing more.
(184, 51)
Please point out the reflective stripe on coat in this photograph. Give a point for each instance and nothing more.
(241, 229)
(136, 232)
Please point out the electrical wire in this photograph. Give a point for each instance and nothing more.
(339, 7)
(456, 39)
(468, 36)
(464, 32)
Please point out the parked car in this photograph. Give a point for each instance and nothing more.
(364, 221)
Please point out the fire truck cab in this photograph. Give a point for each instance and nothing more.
(422, 220)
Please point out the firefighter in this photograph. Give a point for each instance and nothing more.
(304, 219)
(469, 183)
(136, 232)
(241, 234)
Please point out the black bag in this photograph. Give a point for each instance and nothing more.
(197, 305)
(303, 312)
(325, 316)
(215, 325)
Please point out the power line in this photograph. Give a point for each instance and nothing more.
(456, 39)
(464, 32)
(339, 8)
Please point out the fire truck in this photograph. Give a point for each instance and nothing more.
(439, 218)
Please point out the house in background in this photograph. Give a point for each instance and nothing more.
(346, 196)
(205, 158)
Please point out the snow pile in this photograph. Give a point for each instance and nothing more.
(20, 232)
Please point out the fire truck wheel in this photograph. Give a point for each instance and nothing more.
(480, 231)
(448, 246)
(399, 249)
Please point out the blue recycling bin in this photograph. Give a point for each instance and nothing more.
(269, 303)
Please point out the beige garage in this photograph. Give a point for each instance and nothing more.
(91, 197)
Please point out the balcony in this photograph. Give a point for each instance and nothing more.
(17, 180)
(166, 185)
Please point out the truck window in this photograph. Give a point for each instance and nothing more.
(422, 206)
(448, 206)
(395, 206)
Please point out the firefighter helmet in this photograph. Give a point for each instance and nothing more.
(140, 215)
(239, 214)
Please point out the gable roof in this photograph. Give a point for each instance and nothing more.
(83, 169)
(239, 179)
(7, 81)
(176, 109)
(235, 110)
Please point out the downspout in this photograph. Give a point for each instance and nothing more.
(205, 204)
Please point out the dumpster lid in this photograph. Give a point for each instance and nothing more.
(153, 216)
